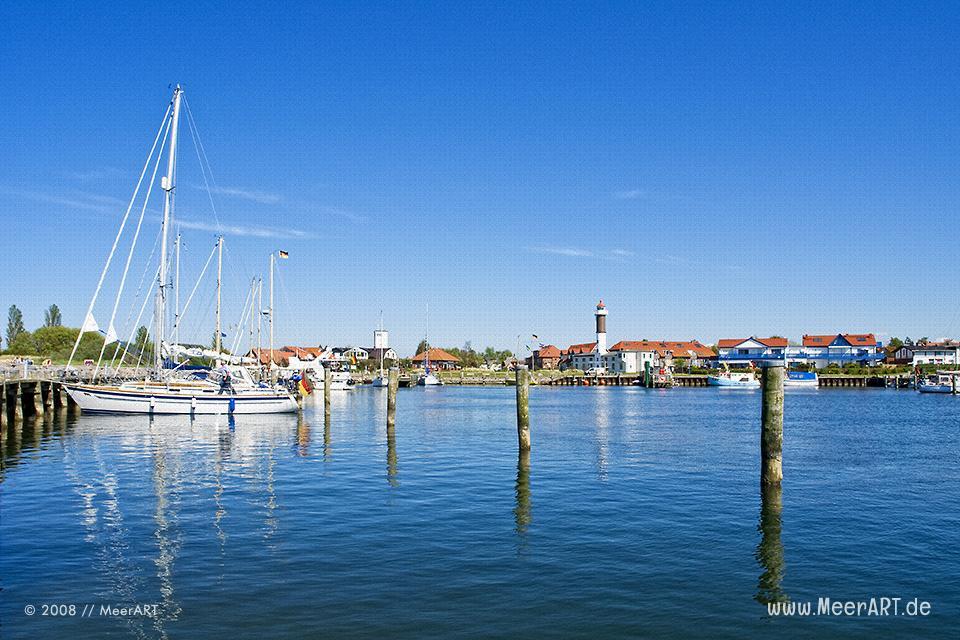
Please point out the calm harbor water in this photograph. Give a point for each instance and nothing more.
(637, 514)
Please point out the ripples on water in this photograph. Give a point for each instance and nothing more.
(638, 513)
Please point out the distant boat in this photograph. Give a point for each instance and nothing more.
(428, 379)
(942, 382)
(339, 377)
(801, 379)
(729, 379)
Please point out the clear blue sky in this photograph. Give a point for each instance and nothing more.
(782, 168)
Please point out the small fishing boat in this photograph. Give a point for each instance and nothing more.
(734, 380)
(801, 379)
(942, 382)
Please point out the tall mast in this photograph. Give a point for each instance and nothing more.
(219, 277)
(167, 184)
(176, 294)
(260, 322)
(273, 258)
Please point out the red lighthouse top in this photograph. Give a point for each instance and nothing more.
(600, 305)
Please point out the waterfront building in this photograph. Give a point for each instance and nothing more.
(439, 359)
(840, 349)
(744, 351)
(631, 356)
(589, 355)
(946, 353)
(356, 354)
(546, 357)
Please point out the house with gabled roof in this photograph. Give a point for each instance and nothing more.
(741, 351)
(946, 352)
(840, 349)
(546, 357)
(631, 356)
(438, 358)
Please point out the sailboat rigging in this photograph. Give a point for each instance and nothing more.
(231, 390)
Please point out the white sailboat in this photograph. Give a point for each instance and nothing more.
(428, 379)
(164, 393)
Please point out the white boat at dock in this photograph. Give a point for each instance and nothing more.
(941, 382)
(734, 380)
(801, 379)
(170, 390)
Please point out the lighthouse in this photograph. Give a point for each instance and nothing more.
(601, 328)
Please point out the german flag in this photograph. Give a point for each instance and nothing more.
(283, 255)
(305, 387)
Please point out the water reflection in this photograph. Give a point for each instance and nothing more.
(303, 437)
(326, 437)
(521, 513)
(166, 475)
(392, 457)
(770, 550)
(602, 433)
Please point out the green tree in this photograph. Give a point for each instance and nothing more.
(141, 341)
(55, 341)
(423, 346)
(52, 317)
(14, 324)
(894, 345)
(90, 345)
(22, 344)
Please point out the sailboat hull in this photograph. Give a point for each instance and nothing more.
(92, 399)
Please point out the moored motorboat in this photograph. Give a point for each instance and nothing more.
(941, 382)
(734, 380)
(801, 379)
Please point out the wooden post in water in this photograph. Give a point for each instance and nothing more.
(17, 402)
(771, 424)
(46, 389)
(59, 396)
(327, 380)
(523, 407)
(393, 383)
(37, 400)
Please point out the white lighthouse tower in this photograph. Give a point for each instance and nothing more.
(601, 328)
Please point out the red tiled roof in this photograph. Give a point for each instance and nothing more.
(280, 356)
(436, 355)
(301, 352)
(949, 344)
(586, 347)
(679, 348)
(855, 339)
(727, 343)
(548, 351)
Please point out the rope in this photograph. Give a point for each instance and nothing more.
(183, 311)
(106, 267)
(133, 246)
